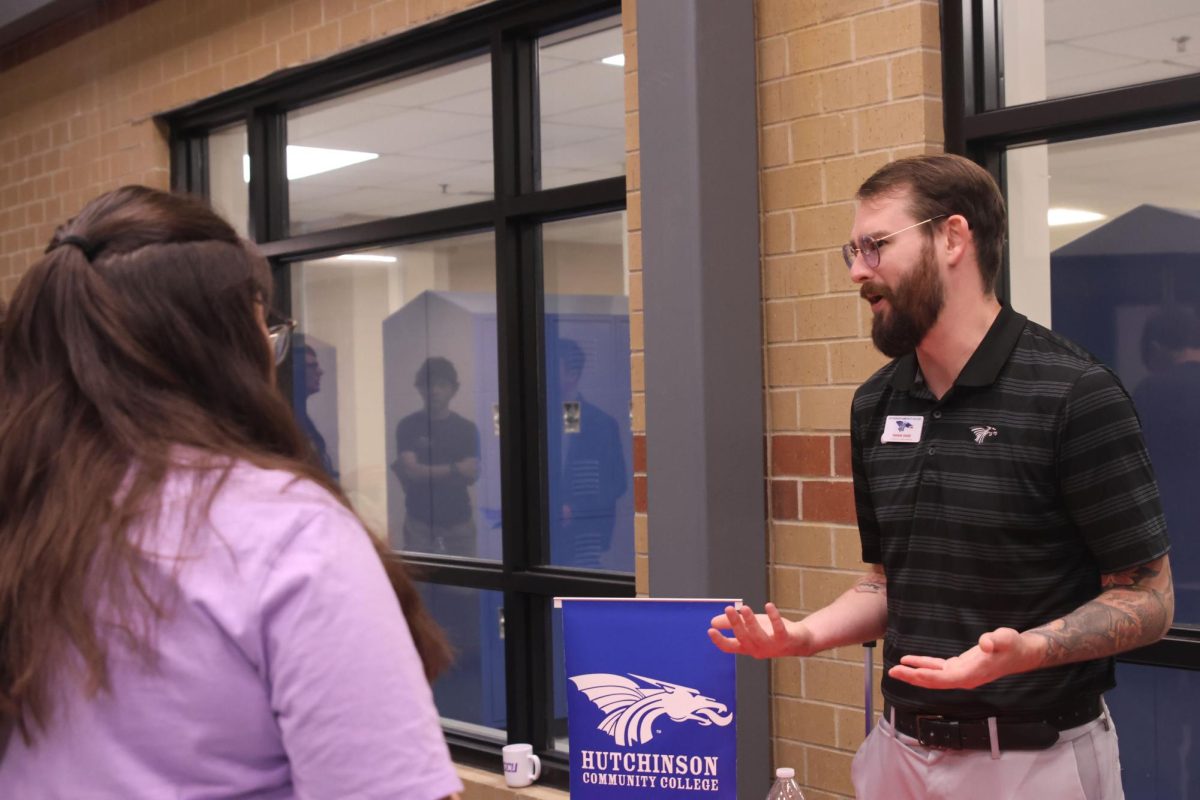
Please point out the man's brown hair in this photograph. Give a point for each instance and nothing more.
(942, 185)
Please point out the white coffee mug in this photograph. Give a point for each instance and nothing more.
(521, 766)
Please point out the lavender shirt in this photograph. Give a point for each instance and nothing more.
(285, 669)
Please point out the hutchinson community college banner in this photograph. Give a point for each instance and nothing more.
(650, 700)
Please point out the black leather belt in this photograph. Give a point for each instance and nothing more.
(1035, 731)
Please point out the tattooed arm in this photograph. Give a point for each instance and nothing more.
(1134, 608)
(858, 615)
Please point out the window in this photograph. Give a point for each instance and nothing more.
(1087, 114)
(444, 212)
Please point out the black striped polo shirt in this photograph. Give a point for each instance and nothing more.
(1000, 505)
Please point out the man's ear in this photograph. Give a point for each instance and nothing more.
(958, 236)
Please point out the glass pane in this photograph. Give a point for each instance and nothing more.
(581, 75)
(558, 713)
(1058, 48)
(1105, 247)
(396, 384)
(588, 393)
(229, 176)
(1156, 711)
(470, 695)
(409, 145)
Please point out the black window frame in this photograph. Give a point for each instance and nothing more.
(980, 127)
(508, 32)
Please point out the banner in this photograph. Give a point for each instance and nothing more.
(650, 701)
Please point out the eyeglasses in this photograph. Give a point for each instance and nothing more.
(869, 246)
(279, 334)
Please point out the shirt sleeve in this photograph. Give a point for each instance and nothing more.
(868, 527)
(354, 709)
(1105, 477)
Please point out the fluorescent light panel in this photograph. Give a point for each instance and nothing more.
(305, 161)
(614, 61)
(367, 257)
(1070, 216)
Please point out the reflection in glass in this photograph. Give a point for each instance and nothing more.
(558, 712)
(1059, 48)
(471, 692)
(581, 79)
(409, 145)
(397, 392)
(1157, 713)
(228, 176)
(589, 444)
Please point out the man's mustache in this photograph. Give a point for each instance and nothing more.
(874, 290)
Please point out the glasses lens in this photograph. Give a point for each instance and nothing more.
(870, 251)
(280, 337)
(848, 254)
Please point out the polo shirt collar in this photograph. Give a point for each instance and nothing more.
(985, 363)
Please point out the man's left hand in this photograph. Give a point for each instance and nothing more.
(999, 653)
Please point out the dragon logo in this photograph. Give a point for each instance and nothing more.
(983, 432)
(630, 710)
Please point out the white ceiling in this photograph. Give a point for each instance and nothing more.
(433, 133)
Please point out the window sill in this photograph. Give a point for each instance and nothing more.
(483, 785)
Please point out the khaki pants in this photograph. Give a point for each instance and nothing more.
(1082, 765)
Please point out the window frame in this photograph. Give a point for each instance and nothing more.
(507, 31)
(978, 127)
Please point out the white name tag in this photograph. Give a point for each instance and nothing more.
(902, 429)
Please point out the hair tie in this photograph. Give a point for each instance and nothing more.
(86, 247)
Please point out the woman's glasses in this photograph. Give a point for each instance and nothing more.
(279, 334)
(868, 246)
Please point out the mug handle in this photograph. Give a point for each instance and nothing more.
(537, 767)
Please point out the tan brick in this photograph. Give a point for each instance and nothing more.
(780, 322)
(797, 365)
(843, 176)
(635, 251)
(854, 86)
(630, 49)
(637, 412)
(826, 318)
(796, 275)
(837, 9)
(637, 332)
(629, 15)
(631, 132)
(772, 58)
(324, 40)
(802, 544)
(355, 28)
(789, 754)
(791, 187)
(635, 291)
(815, 48)
(850, 727)
(854, 362)
(833, 681)
(633, 171)
(917, 73)
(799, 95)
(777, 233)
(785, 587)
(633, 211)
(784, 410)
(847, 549)
(826, 408)
(783, 16)
(822, 587)
(641, 570)
(902, 28)
(641, 533)
(905, 122)
(823, 227)
(294, 49)
(786, 678)
(806, 721)
(830, 770)
(773, 148)
(264, 60)
(631, 91)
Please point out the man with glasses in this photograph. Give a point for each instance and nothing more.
(1006, 507)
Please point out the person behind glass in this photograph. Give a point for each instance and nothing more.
(592, 474)
(189, 606)
(311, 374)
(1006, 507)
(1166, 400)
(437, 460)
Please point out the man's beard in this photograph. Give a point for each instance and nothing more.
(913, 308)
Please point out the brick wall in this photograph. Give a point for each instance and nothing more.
(844, 86)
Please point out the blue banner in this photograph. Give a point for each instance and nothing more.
(650, 701)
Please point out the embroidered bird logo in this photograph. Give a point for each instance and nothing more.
(630, 710)
(903, 425)
(983, 432)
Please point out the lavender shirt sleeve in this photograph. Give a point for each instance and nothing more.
(345, 681)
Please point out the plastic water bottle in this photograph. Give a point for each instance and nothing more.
(785, 787)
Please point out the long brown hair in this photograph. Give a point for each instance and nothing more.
(134, 335)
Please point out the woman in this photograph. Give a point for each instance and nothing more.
(188, 607)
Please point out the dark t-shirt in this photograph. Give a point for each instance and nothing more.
(1000, 505)
(436, 442)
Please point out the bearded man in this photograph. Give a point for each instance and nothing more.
(1006, 507)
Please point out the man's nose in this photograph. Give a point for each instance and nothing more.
(859, 271)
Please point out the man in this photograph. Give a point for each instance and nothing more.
(437, 460)
(1006, 506)
(591, 475)
(310, 380)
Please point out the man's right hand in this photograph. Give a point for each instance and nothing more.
(766, 635)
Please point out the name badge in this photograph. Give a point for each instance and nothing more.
(902, 429)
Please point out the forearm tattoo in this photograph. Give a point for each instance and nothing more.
(1134, 608)
(874, 583)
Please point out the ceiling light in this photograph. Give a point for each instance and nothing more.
(366, 257)
(1070, 216)
(614, 61)
(304, 161)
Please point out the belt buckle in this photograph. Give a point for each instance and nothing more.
(947, 741)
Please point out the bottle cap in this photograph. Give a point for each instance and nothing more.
(785, 772)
